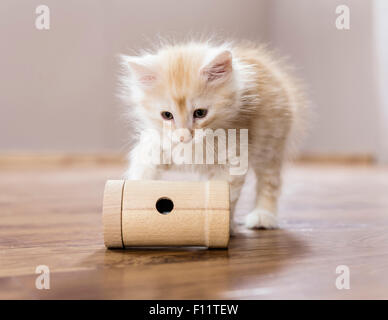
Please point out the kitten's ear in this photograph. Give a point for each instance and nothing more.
(219, 69)
(140, 71)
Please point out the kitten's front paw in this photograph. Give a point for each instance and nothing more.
(261, 218)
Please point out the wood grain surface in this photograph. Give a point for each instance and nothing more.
(200, 216)
(330, 216)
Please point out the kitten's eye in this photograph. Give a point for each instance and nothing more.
(200, 113)
(167, 115)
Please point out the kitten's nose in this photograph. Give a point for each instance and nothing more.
(181, 135)
(185, 138)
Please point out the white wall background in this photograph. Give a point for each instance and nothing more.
(381, 71)
(338, 67)
(57, 87)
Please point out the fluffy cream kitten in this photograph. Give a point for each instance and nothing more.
(229, 86)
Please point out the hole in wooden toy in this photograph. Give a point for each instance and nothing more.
(164, 205)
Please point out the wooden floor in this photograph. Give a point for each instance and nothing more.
(330, 216)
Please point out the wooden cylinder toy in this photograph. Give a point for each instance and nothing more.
(166, 213)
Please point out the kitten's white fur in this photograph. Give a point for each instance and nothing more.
(242, 86)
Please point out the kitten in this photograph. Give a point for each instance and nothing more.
(229, 86)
